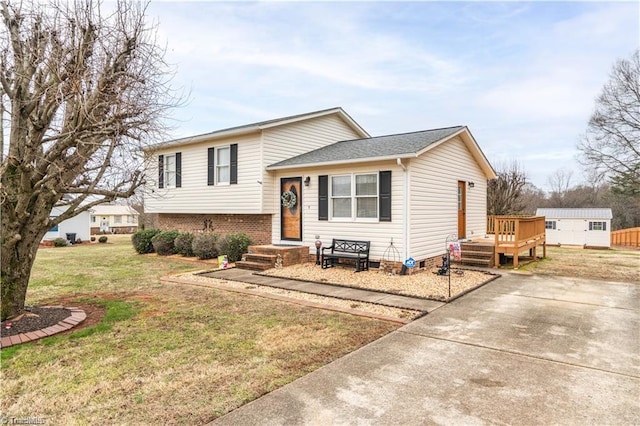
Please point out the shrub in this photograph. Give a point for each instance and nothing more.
(235, 245)
(205, 246)
(163, 242)
(60, 242)
(93, 239)
(102, 239)
(141, 240)
(183, 244)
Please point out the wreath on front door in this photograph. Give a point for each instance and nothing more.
(288, 199)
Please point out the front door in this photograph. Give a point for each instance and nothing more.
(462, 210)
(291, 209)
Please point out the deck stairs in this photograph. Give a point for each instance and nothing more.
(476, 254)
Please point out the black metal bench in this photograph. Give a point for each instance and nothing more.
(352, 250)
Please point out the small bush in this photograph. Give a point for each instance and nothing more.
(93, 239)
(183, 244)
(205, 246)
(163, 242)
(141, 240)
(60, 242)
(78, 241)
(235, 245)
(102, 239)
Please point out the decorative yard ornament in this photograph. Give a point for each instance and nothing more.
(288, 199)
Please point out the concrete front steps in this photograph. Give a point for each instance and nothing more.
(261, 258)
(476, 254)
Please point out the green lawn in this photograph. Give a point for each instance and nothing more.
(162, 353)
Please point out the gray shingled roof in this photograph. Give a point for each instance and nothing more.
(400, 145)
(583, 213)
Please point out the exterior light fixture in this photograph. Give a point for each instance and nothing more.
(307, 181)
(471, 184)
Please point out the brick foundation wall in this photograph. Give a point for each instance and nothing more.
(256, 226)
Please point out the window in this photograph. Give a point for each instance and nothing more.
(550, 224)
(117, 219)
(131, 219)
(170, 171)
(597, 226)
(354, 196)
(367, 196)
(55, 227)
(223, 165)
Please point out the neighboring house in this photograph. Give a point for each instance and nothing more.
(114, 219)
(79, 225)
(588, 227)
(412, 189)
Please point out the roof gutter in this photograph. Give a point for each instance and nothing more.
(405, 209)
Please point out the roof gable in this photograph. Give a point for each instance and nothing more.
(261, 125)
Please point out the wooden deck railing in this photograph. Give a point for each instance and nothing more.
(515, 234)
(629, 237)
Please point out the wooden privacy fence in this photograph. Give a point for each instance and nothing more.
(515, 234)
(629, 237)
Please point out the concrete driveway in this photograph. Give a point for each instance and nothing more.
(520, 350)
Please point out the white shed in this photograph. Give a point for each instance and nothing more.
(79, 225)
(588, 227)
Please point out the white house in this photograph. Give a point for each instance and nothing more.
(588, 227)
(414, 189)
(79, 225)
(112, 218)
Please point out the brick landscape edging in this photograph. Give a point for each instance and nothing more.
(76, 317)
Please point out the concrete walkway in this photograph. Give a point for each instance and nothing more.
(404, 302)
(520, 350)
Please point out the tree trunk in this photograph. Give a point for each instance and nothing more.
(16, 271)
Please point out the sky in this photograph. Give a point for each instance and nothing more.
(523, 76)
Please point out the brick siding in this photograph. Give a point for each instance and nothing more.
(256, 226)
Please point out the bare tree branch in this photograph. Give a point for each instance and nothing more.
(83, 93)
(611, 145)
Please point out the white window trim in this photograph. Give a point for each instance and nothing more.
(167, 171)
(218, 166)
(354, 197)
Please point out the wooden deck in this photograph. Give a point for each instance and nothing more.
(513, 235)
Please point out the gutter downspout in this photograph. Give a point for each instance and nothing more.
(405, 210)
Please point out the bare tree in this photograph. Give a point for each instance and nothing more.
(504, 193)
(559, 182)
(611, 145)
(81, 92)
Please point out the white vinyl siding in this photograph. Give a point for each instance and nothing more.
(195, 196)
(379, 233)
(433, 203)
(280, 143)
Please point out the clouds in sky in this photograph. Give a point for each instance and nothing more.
(522, 76)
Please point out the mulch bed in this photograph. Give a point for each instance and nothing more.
(34, 318)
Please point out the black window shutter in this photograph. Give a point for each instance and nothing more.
(178, 169)
(323, 197)
(234, 164)
(160, 171)
(385, 196)
(211, 166)
(604, 226)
